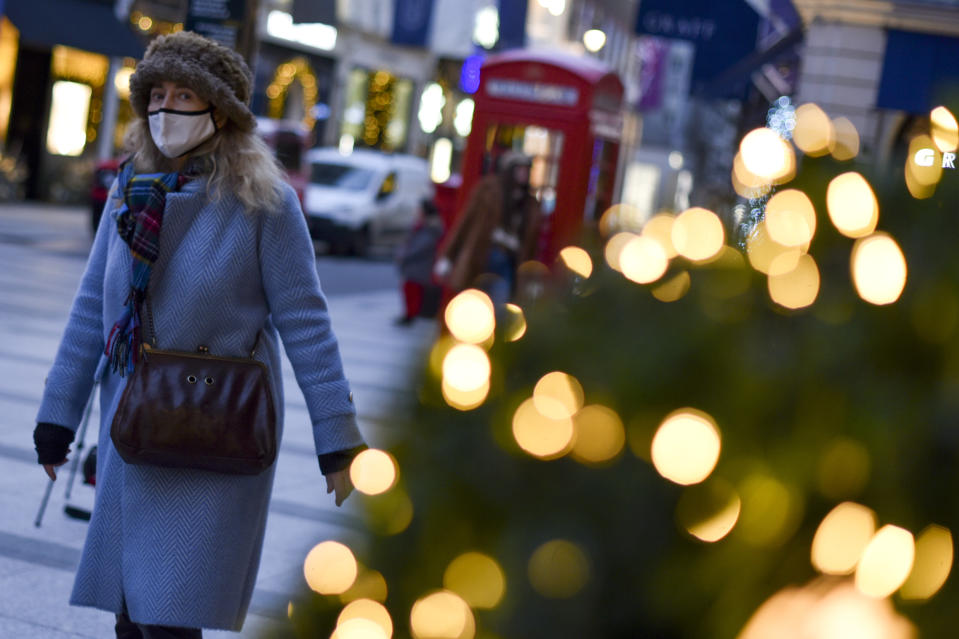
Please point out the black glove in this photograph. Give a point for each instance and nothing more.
(339, 460)
(52, 442)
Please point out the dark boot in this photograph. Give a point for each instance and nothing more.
(126, 629)
(170, 632)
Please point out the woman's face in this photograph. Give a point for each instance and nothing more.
(170, 95)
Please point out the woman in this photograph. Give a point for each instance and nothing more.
(222, 249)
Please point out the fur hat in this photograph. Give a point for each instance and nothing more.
(217, 74)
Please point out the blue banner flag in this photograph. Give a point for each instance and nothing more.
(411, 22)
(512, 24)
(724, 32)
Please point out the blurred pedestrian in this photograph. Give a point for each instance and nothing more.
(204, 242)
(415, 262)
(496, 232)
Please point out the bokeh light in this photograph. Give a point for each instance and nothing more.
(686, 446)
(442, 615)
(577, 260)
(841, 538)
(515, 323)
(373, 471)
(710, 510)
(558, 569)
(558, 395)
(845, 146)
(477, 578)
(660, 228)
(620, 217)
(697, 234)
(886, 562)
(330, 568)
(766, 155)
(934, 556)
(674, 288)
(390, 513)
(466, 367)
(923, 167)
(541, 436)
(790, 218)
(770, 510)
(827, 608)
(814, 133)
(797, 288)
(361, 628)
(878, 269)
(642, 259)
(768, 256)
(464, 400)
(614, 249)
(367, 610)
(852, 205)
(945, 129)
(369, 584)
(470, 316)
(600, 435)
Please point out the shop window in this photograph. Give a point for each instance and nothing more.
(8, 63)
(293, 93)
(376, 110)
(602, 174)
(69, 109)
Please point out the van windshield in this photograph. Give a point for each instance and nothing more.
(341, 176)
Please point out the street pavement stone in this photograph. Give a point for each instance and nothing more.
(42, 253)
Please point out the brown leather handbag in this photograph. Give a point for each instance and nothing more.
(196, 410)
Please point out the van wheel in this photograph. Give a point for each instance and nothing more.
(361, 242)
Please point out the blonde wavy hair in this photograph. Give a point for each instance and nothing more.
(240, 164)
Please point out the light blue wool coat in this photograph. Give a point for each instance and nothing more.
(182, 547)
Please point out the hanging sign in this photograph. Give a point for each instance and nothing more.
(219, 20)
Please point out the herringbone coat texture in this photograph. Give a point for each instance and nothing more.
(182, 547)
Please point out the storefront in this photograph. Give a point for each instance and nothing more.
(565, 113)
(63, 64)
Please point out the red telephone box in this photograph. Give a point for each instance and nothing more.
(564, 112)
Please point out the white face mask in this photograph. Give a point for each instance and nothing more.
(177, 133)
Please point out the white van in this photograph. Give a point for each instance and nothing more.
(365, 197)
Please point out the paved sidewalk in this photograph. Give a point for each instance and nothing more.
(39, 272)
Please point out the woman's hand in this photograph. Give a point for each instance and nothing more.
(340, 483)
(51, 473)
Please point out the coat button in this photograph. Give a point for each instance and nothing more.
(351, 397)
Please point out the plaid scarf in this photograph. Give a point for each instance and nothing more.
(138, 221)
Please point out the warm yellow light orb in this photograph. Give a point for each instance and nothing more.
(814, 133)
(558, 395)
(846, 144)
(797, 288)
(330, 568)
(886, 562)
(614, 249)
(934, 556)
(709, 511)
(515, 323)
(539, 435)
(790, 218)
(698, 234)
(558, 569)
(841, 538)
(768, 256)
(477, 578)
(442, 615)
(686, 446)
(373, 472)
(360, 628)
(470, 316)
(852, 205)
(366, 610)
(878, 269)
(642, 259)
(464, 400)
(600, 435)
(766, 155)
(674, 288)
(577, 260)
(660, 228)
(945, 129)
(466, 367)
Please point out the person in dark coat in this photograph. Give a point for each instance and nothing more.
(222, 252)
(496, 232)
(415, 263)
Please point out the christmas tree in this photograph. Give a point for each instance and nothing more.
(677, 438)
